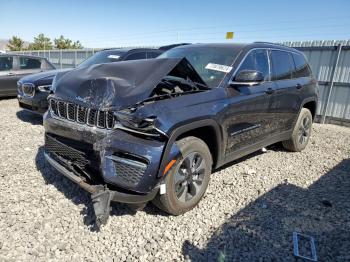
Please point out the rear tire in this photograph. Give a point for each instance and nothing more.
(187, 181)
(301, 133)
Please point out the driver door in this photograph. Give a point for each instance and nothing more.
(247, 118)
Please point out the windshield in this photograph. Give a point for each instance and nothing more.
(102, 57)
(212, 63)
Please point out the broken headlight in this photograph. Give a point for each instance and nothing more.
(144, 126)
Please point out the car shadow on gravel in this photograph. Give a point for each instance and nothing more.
(75, 193)
(8, 97)
(244, 158)
(278, 147)
(262, 231)
(34, 119)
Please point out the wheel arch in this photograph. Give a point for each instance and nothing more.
(207, 130)
(310, 104)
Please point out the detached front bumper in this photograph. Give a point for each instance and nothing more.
(112, 157)
(93, 189)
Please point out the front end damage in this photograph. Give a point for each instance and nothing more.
(103, 129)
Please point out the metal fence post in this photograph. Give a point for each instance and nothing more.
(61, 58)
(331, 84)
(75, 58)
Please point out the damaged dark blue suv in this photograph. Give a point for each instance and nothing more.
(144, 130)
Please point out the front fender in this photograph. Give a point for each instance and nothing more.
(171, 150)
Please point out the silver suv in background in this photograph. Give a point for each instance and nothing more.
(15, 66)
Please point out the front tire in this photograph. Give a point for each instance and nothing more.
(301, 133)
(187, 181)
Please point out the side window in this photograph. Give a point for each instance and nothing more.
(301, 67)
(152, 54)
(29, 63)
(282, 65)
(136, 56)
(256, 60)
(6, 63)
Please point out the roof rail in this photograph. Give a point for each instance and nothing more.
(270, 43)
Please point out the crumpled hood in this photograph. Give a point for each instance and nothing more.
(42, 76)
(120, 84)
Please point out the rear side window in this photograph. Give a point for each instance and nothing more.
(301, 67)
(29, 63)
(6, 63)
(152, 54)
(136, 56)
(282, 65)
(256, 60)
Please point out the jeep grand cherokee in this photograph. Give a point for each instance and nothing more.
(154, 129)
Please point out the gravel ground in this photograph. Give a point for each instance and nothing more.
(249, 212)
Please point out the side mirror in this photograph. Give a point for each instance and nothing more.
(248, 77)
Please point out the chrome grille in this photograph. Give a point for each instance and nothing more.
(109, 120)
(71, 111)
(91, 118)
(62, 109)
(82, 115)
(53, 107)
(101, 119)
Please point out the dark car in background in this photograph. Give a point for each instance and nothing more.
(15, 66)
(34, 89)
(154, 129)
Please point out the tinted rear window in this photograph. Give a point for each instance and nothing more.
(6, 63)
(282, 65)
(153, 54)
(301, 66)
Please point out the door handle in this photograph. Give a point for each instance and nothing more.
(298, 86)
(270, 91)
(10, 74)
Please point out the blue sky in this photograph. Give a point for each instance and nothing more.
(122, 23)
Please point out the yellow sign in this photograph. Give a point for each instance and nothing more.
(229, 35)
